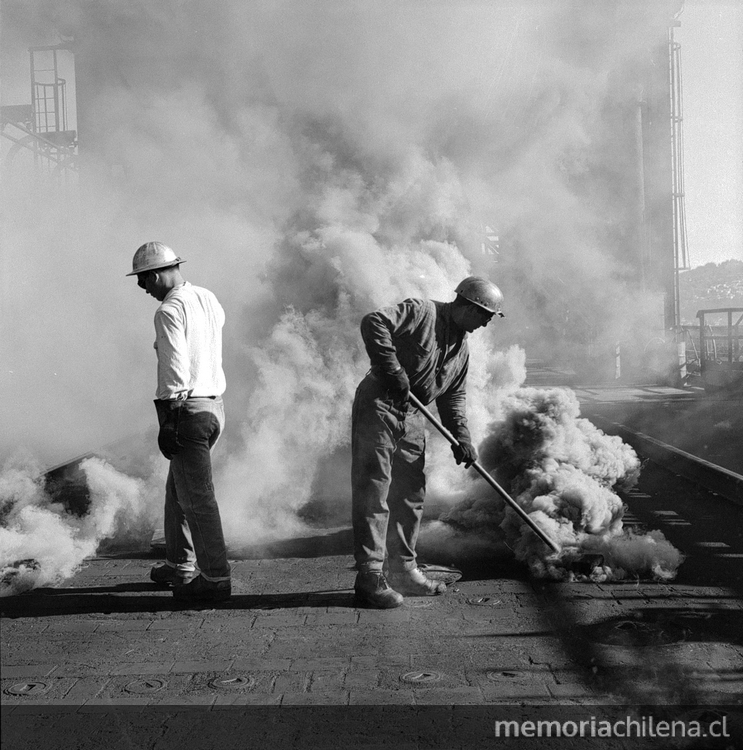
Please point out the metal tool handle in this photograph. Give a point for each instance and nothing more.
(485, 475)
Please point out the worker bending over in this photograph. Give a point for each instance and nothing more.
(418, 345)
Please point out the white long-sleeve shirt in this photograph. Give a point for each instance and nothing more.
(188, 328)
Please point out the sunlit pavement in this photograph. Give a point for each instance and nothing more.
(108, 659)
(109, 641)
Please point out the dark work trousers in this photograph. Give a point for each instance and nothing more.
(193, 527)
(387, 475)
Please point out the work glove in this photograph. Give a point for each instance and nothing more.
(398, 386)
(168, 413)
(464, 453)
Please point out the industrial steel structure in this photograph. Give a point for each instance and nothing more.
(646, 114)
(42, 126)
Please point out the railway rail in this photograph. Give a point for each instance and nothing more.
(498, 645)
(717, 479)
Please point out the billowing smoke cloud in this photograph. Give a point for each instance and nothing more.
(563, 472)
(311, 161)
(43, 543)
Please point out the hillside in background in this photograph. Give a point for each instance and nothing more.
(710, 286)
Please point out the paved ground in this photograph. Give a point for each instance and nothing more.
(108, 660)
(111, 647)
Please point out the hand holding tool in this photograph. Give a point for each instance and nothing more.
(485, 475)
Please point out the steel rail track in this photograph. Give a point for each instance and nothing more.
(717, 479)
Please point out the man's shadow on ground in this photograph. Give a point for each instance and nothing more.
(147, 597)
(144, 597)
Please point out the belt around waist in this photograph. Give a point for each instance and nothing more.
(193, 398)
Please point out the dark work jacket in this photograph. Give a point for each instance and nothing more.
(420, 336)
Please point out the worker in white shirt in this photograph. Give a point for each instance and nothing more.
(190, 384)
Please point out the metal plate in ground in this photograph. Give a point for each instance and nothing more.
(421, 678)
(514, 675)
(148, 685)
(238, 682)
(485, 601)
(28, 689)
(418, 603)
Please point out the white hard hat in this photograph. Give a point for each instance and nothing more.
(153, 255)
(482, 293)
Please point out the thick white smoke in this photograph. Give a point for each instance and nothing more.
(563, 472)
(42, 542)
(308, 369)
(311, 161)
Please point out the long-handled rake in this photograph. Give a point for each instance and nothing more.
(486, 476)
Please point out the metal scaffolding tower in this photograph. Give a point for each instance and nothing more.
(42, 127)
(680, 251)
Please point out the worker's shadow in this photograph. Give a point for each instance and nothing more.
(122, 599)
(144, 596)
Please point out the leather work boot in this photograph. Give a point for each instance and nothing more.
(201, 590)
(372, 590)
(414, 583)
(167, 575)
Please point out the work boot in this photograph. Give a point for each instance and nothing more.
(414, 583)
(372, 590)
(167, 575)
(201, 590)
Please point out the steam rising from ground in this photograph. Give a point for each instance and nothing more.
(312, 161)
(562, 471)
(42, 542)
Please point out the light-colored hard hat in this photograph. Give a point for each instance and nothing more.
(153, 255)
(482, 293)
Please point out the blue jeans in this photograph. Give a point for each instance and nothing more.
(193, 527)
(388, 483)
